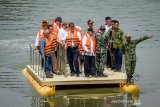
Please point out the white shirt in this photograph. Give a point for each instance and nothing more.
(37, 38)
(107, 28)
(84, 42)
(79, 37)
(62, 34)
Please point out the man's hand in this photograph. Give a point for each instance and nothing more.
(151, 36)
(65, 46)
(35, 48)
(89, 52)
(42, 56)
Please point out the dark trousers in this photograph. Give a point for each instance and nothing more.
(109, 65)
(72, 55)
(118, 58)
(89, 65)
(48, 63)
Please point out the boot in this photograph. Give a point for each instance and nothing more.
(128, 80)
(101, 74)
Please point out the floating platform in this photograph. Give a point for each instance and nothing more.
(61, 80)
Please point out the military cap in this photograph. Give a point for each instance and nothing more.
(128, 35)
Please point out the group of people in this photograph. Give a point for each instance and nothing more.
(97, 49)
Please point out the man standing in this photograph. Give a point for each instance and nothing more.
(46, 49)
(118, 40)
(110, 55)
(89, 46)
(90, 23)
(72, 41)
(40, 32)
(56, 24)
(129, 49)
(62, 34)
(101, 52)
(108, 23)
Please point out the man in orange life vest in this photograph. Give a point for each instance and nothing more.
(40, 32)
(72, 41)
(46, 49)
(56, 25)
(89, 46)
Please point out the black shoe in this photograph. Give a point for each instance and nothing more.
(72, 74)
(77, 75)
(112, 68)
(49, 75)
(103, 75)
(94, 75)
(115, 70)
(56, 72)
(86, 75)
(119, 70)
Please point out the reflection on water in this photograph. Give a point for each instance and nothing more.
(88, 100)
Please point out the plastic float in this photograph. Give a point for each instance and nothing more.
(130, 88)
(42, 90)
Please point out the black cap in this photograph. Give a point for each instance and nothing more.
(58, 19)
(90, 29)
(90, 22)
(44, 21)
(102, 28)
(71, 24)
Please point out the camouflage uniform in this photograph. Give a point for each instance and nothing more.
(101, 53)
(129, 49)
(110, 54)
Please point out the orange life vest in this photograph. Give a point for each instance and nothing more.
(88, 44)
(55, 29)
(52, 22)
(80, 48)
(75, 39)
(48, 46)
(39, 34)
(54, 43)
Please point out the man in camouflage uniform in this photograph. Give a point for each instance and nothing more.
(101, 53)
(110, 55)
(129, 49)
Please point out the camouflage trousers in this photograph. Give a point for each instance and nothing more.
(130, 67)
(100, 61)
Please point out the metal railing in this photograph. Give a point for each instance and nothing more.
(37, 63)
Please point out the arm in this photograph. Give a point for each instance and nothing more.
(42, 45)
(105, 38)
(37, 40)
(79, 35)
(141, 39)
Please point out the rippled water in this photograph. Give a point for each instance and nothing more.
(20, 20)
